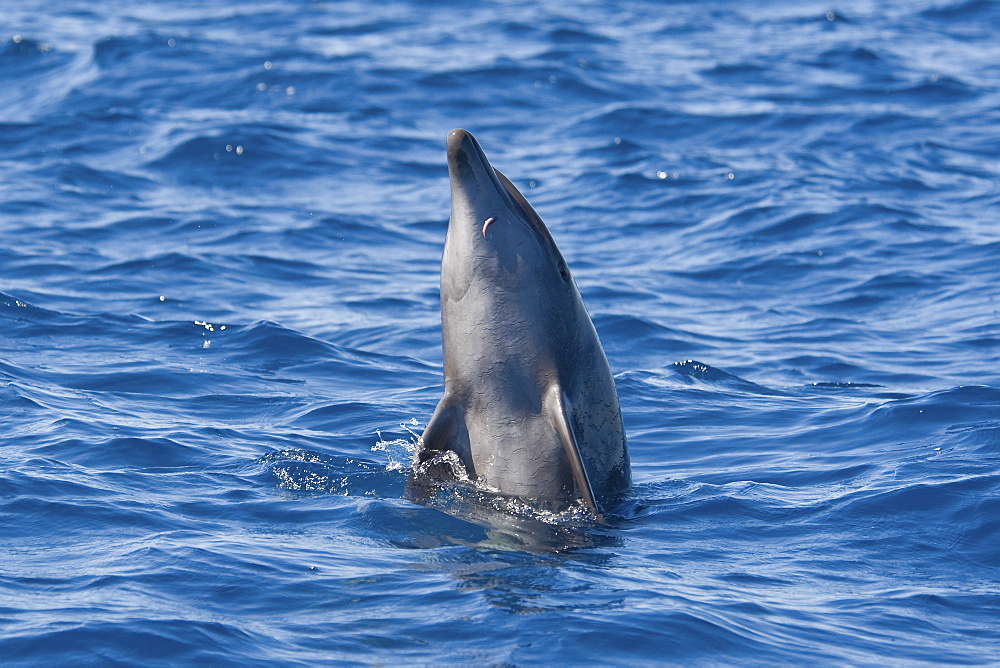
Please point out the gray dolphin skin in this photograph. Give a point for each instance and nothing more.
(529, 401)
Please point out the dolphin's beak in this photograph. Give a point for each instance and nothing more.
(474, 181)
(485, 190)
(461, 147)
(459, 140)
(468, 166)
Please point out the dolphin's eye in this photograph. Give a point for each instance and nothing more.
(563, 270)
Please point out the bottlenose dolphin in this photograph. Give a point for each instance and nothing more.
(529, 402)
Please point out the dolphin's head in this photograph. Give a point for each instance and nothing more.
(494, 234)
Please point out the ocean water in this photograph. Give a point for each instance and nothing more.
(219, 334)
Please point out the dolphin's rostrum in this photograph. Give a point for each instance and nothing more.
(529, 402)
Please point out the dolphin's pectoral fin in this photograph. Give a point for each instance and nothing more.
(445, 431)
(432, 462)
(560, 411)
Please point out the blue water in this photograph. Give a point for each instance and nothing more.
(221, 232)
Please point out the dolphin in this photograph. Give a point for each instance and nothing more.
(529, 406)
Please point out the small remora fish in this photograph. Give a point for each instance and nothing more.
(529, 402)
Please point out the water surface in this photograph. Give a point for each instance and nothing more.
(219, 329)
